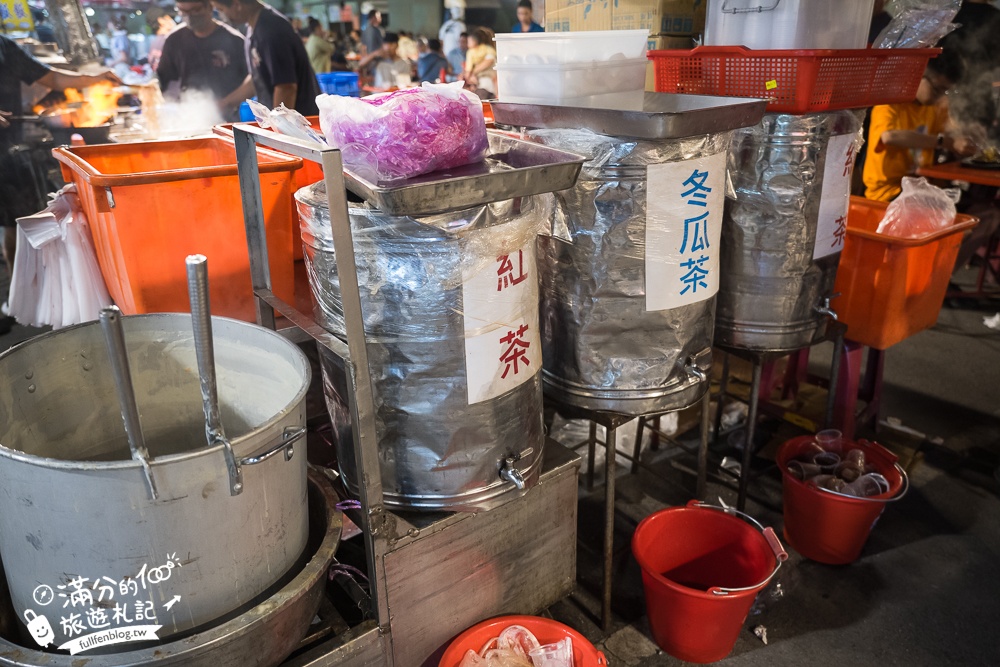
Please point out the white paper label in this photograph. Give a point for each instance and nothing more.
(503, 346)
(684, 202)
(835, 199)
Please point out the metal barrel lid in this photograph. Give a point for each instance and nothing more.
(662, 116)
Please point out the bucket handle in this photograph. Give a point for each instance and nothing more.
(780, 555)
(748, 10)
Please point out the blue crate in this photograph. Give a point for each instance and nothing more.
(246, 115)
(340, 83)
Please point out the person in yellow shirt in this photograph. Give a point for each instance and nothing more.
(480, 62)
(903, 137)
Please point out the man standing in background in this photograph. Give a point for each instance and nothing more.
(525, 18)
(456, 57)
(372, 36)
(203, 54)
(319, 49)
(276, 57)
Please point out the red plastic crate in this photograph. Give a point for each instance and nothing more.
(795, 81)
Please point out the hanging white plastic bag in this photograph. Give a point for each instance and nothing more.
(56, 280)
(920, 210)
(406, 133)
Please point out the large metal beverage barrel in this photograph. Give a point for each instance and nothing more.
(89, 551)
(782, 234)
(623, 332)
(450, 304)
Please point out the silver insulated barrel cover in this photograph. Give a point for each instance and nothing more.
(628, 302)
(454, 349)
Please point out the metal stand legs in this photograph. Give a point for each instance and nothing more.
(611, 423)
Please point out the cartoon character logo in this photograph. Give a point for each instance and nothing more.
(40, 628)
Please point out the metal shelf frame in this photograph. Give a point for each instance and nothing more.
(373, 521)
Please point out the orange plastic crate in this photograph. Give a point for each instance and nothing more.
(152, 204)
(891, 287)
(310, 173)
(795, 81)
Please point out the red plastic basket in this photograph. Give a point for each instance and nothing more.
(795, 81)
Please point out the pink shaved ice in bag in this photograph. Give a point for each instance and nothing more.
(405, 133)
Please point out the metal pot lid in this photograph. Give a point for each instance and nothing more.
(662, 116)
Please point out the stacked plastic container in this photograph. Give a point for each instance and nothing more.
(788, 24)
(598, 68)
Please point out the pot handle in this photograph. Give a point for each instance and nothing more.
(291, 435)
(201, 322)
(114, 337)
(748, 10)
(780, 555)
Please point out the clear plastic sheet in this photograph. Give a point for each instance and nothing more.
(771, 285)
(918, 24)
(436, 450)
(405, 133)
(921, 209)
(285, 121)
(600, 341)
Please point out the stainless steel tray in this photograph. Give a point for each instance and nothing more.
(662, 116)
(512, 168)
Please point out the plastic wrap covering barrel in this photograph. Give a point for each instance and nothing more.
(603, 349)
(771, 287)
(436, 450)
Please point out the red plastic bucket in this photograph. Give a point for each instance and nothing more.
(545, 630)
(830, 527)
(702, 567)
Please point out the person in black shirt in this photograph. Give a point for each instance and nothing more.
(17, 196)
(276, 57)
(204, 55)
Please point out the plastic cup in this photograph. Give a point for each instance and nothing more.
(831, 440)
(848, 471)
(827, 461)
(803, 470)
(559, 654)
(871, 484)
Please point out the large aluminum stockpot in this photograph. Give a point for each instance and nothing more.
(263, 636)
(84, 543)
(791, 180)
(456, 429)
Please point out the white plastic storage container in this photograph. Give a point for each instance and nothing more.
(543, 48)
(614, 84)
(788, 24)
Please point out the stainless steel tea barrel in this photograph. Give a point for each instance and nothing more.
(85, 543)
(625, 330)
(776, 285)
(449, 438)
(605, 348)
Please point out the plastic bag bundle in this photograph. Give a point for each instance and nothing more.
(918, 24)
(516, 646)
(56, 280)
(406, 133)
(286, 121)
(920, 210)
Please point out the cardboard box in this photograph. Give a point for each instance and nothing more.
(658, 42)
(673, 17)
